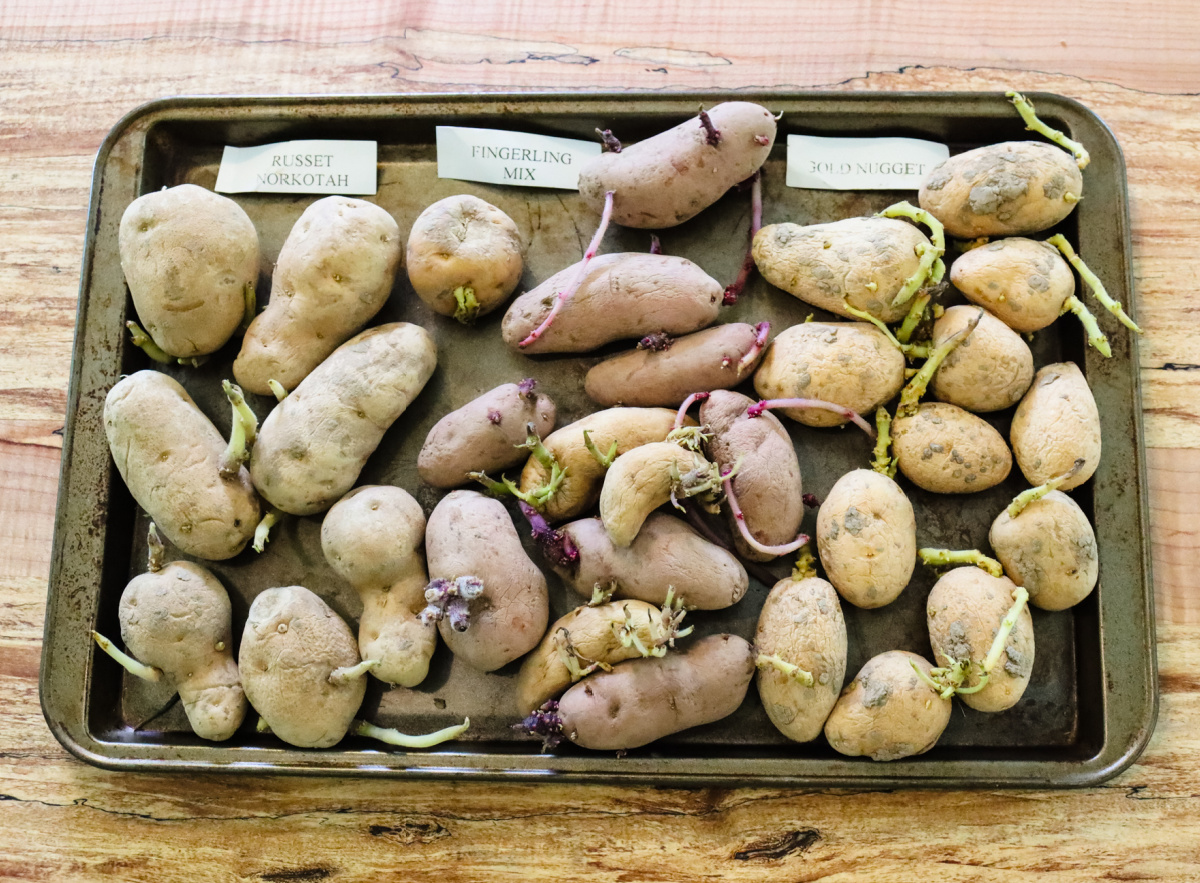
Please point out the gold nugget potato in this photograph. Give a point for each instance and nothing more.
(989, 370)
(947, 450)
(1023, 282)
(1056, 424)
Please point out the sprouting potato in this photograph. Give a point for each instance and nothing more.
(641, 480)
(989, 370)
(1023, 282)
(1057, 423)
(947, 450)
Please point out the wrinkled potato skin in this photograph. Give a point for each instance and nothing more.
(1022, 282)
(703, 361)
(645, 699)
(638, 482)
(373, 538)
(964, 610)
(483, 435)
(674, 175)
(286, 673)
(463, 241)
(622, 295)
(175, 619)
(989, 370)
(887, 712)
(666, 554)
(867, 538)
(472, 535)
(314, 443)
(1017, 187)
(1054, 425)
(1050, 549)
(801, 622)
(847, 363)
(188, 255)
(153, 429)
(947, 450)
(334, 272)
(828, 265)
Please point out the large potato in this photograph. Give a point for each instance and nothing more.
(1056, 424)
(947, 450)
(1023, 282)
(989, 370)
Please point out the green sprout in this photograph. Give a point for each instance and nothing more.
(262, 532)
(794, 672)
(805, 566)
(142, 340)
(243, 430)
(952, 557)
(883, 463)
(1032, 124)
(1023, 499)
(277, 389)
(1093, 281)
(1095, 336)
(915, 314)
(910, 350)
(931, 268)
(250, 306)
(912, 392)
(604, 460)
(395, 737)
(467, 309)
(131, 665)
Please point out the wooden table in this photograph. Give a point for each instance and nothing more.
(69, 73)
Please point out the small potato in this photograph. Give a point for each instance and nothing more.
(169, 455)
(848, 363)
(947, 450)
(861, 261)
(485, 434)
(1017, 187)
(801, 624)
(867, 538)
(1023, 282)
(989, 370)
(640, 481)
(190, 257)
(334, 272)
(622, 295)
(1056, 424)
(1050, 549)
(465, 245)
(673, 176)
(887, 712)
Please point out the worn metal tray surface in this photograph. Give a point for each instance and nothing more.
(1092, 701)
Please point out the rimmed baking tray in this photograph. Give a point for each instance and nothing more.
(1091, 705)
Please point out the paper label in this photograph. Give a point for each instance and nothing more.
(493, 156)
(300, 167)
(819, 163)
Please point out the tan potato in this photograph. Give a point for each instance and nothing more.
(989, 370)
(1023, 282)
(169, 455)
(315, 442)
(464, 244)
(640, 481)
(622, 295)
(1050, 549)
(867, 538)
(334, 272)
(1017, 187)
(1056, 424)
(667, 179)
(848, 363)
(947, 450)
(190, 257)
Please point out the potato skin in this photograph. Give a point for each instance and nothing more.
(1050, 549)
(313, 445)
(989, 370)
(188, 255)
(1056, 423)
(1017, 187)
(334, 272)
(622, 295)
(867, 538)
(947, 450)
(848, 363)
(154, 429)
(638, 482)
(1023, 282)
(483, 435)
(472, 535)
(645, 699)
(828, 265)
(801, 622)
(671, 177)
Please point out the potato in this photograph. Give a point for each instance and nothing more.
(1023, 282)
(334, 272)
(849, 363)
(169, 455)
(315, 442)
(801, 624)
(464, 257)
(190, 258)
(964, 611)
(1017, 187)
(867, 538)
(647, 477)
(1050, 549)
(947, 450)
(291, 648)
(1056, 424)
(861, 261)
(484, 435)
(372, 538)
(989, 370)
(622, 295)
(671, 177)
(887, 712)
(470, 535)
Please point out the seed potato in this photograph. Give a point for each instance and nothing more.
(947, 450)
(1050, 549)
(1056, 423)
(991, 368)
(640, 481)
(1022, 282)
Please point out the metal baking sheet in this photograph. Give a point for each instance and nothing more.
(1091, 704)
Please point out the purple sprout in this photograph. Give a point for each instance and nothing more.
(494, 416)
(609, 141)
(555, 545)
(757, 409)
(655, 244)
(657, 342)
(451, 600)
(811, 501)
(544, 723)
(526, 387)
(734, 290)
(711, 135)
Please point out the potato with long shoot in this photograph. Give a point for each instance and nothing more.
(989, 370)
(1057, 423)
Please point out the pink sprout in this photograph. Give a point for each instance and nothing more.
(740, 519)
(756, 410)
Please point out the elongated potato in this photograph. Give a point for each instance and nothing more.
(169, 455)
(1022, 281)
(947, 450)
(315, 442)
(643, 479)
(989, 370)
(1056, 424)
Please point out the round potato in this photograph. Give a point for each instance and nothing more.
(1057, 423)
(947, 450)
(1023, 282)
(989, 370)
